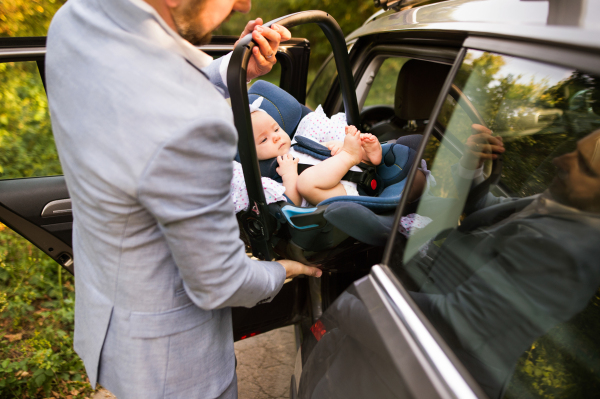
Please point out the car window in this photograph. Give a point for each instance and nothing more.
(502, 255)
(383, 86)
(317, 93)
(26, 142)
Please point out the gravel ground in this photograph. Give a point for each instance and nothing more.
(265, 366)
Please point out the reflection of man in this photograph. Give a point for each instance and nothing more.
(512, 271)
(146, 140)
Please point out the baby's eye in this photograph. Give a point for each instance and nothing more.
(276, 129)
(263, 140)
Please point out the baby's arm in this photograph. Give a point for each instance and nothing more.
(288, 170)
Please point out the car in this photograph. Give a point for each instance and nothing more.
(487, 286)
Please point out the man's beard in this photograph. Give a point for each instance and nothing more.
(188, 27)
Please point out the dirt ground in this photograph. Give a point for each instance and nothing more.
(264, 369)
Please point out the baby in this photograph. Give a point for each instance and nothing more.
(324, 179)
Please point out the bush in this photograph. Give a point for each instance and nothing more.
(36, 324)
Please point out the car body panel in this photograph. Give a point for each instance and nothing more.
(510, 19)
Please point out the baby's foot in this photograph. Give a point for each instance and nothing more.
(372, 148)
(352, 145)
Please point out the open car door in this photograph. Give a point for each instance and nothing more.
(34, 199)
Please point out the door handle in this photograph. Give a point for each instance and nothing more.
(57, 208)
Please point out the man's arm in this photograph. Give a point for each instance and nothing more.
(186, 188)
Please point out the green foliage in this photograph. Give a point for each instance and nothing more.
(25, 130)
(350, 15)
(27, 17)
(36, 324)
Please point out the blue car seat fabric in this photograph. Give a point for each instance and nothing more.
(359, 222)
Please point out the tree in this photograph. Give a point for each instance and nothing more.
(350, 15)
(27, 17)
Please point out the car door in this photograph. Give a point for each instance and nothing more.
(487, 292)
(34, 199)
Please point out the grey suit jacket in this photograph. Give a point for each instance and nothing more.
(146, 143)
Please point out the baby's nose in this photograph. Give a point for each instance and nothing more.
(276, 138)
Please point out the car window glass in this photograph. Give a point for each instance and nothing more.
(317, 93)
(26, 141)
(503, 254)
(383, 88)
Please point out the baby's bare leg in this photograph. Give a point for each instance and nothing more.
(322, 181)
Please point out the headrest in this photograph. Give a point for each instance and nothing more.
(278, 103)
(419, 85)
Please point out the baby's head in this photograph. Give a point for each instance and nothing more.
(270, 139)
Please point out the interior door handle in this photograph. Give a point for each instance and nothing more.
(57, 208)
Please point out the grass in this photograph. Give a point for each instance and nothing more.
(37, 359)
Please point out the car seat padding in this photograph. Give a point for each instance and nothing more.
(359, 222)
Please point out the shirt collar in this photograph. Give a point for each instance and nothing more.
(139, 17)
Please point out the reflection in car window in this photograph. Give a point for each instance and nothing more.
(507, 266)
(26, 141)
(320, 86)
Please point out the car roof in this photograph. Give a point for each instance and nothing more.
(524, 20)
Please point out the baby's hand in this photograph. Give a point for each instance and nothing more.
(334, 146)
(287, 165)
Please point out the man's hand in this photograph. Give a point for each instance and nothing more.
(268, 39)
(480, 146)
(294, 269)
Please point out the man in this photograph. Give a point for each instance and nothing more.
(146, 140)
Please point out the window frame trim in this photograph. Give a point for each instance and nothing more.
(408, 320)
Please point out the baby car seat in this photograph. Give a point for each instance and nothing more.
(368, 219)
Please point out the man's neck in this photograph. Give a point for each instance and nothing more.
(163, 11)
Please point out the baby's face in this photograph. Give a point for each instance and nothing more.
(271, 140)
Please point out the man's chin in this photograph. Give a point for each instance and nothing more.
(197, 40)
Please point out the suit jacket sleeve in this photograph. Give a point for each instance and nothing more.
(186, 187)
(216, 72)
